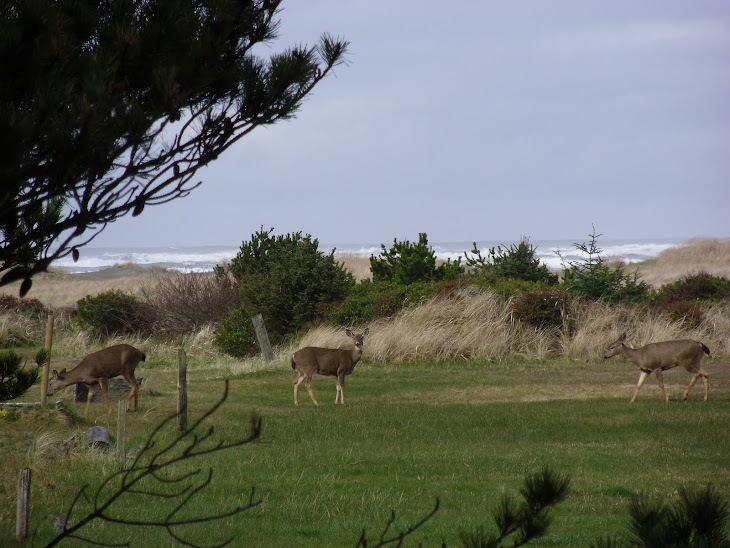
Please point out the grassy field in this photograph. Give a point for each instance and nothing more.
(465, 433)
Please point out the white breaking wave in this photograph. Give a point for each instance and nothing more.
(205, 258)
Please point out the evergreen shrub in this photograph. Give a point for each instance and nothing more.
(370, 300)
(14, 380)
(114, 313)
(288, 281)
(702, 287)
(595, 279)
(236, 335)
(406, 263)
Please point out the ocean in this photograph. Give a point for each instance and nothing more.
(205, 258)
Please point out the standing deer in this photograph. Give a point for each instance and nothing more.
(658, 357)
(337, 362)
(100, 366)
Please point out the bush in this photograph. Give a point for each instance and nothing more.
(689, 314)
(27, 307)
(697, 519)
(518, 262)
(406, 263)
(543, 309)
(370, 300)
(597, 280)
(701, 287)
(287, 280)
(183, 303)
(236, 335)
(14, 380)
(114, 313)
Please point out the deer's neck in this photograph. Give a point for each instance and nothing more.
(78, 374)
(632, 354)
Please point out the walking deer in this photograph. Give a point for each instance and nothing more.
(658, 357)
(99, 367)
(337, 362)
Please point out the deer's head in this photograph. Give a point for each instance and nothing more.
(616, 347)
(56, 382)
(358, 338)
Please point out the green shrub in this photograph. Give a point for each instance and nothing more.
(288, 281)
(701, 287)
(114, 313)
(236, 335)
(371, 300)
(518, 262)
(697, 519)
(597, 280)
(543, 309)
(406, 263)
(14, 380)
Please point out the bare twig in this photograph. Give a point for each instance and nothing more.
(151, 465)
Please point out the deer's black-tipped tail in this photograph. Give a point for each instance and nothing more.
(705, 349)
(294, 366)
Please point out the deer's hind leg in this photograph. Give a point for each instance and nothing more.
(309, 389)
(660, 380)
(297, 382)
(696, 374)
(104, 383)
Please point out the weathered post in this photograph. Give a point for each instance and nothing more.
(21, 527)
(263, 337)
(47, 364)
(122, 434)
(182, 390)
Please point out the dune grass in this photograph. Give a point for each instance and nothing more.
(466, 433)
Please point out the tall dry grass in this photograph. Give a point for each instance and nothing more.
(477, 325)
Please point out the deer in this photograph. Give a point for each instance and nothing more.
(661, 356)
(337, 362)
(99, 367)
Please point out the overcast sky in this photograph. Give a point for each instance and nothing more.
(482, 120)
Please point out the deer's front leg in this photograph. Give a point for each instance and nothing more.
(340, 388)
(104, 383)
(642, 377)
(89, 397)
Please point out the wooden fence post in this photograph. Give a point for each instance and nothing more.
(47, 364)
(263, 337)
(21, 527)
(182, 390)
(122, 434)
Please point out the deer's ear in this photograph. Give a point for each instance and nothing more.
(622, 338)
(367, 330)
(349, 333)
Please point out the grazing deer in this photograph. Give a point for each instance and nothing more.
(658, 357)
(121, 359)
(337, 362)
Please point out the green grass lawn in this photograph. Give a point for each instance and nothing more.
(463, 433)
